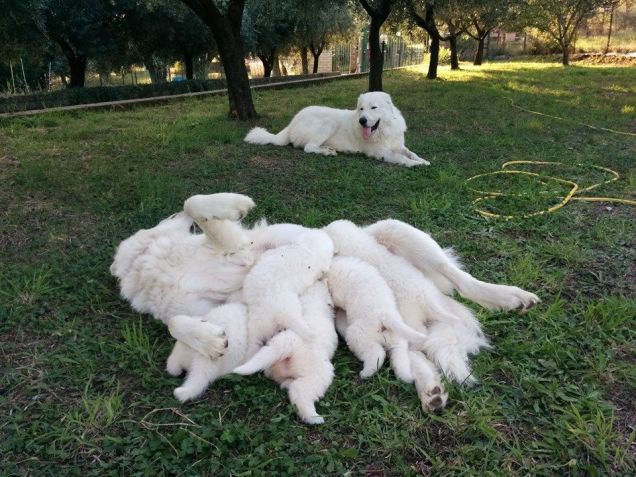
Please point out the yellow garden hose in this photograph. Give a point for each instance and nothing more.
(573, 194)
(597, 128)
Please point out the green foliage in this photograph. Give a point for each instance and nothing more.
(83, 386)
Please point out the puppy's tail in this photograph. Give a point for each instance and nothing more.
(262, 136)
(278, 348)
(396, 324)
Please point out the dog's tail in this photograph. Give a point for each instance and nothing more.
(278, 348)
(395, 323)
(262, 136)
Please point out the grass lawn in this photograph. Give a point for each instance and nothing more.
(83, 390)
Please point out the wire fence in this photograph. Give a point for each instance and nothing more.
(354, 58)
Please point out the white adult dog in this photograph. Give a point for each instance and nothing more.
(375, 128)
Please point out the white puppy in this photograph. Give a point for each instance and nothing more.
(375, 128)
(422, 305)
(302, 367)
(271, 289)
(372, 324)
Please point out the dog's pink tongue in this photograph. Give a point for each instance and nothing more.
(366, 133)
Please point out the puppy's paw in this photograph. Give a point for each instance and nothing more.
(367, 373)
(328, 151)
(173, 367)
(433, 400)
(184, 394)
(313, 420)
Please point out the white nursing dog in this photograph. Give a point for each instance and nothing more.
(180, 277)
(375, 128)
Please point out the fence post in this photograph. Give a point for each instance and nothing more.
(26, 85)
(12, 77)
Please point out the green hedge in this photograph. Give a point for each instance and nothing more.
(102, 94)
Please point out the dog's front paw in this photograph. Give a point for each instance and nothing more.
(203, 337)
(433, 400)
(514, 298)
(418, 161)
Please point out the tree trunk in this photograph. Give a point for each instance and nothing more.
(434, 58)
(479, 56)
(77, 65)
(238, 84)
(227, 34)
(314, 68)
(609, 32)
(157, 72)
(267, 65)
(304, 59)
(189, 65)
(376, 61)
(276, 66)
(453, 48)
(566, 54)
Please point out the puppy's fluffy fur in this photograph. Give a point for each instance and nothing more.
(372, 324)
(375, 128)
(422, 305)
(271, 289)
(202, 370)
(303, 368)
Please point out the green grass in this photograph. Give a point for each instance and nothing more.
(83, 390)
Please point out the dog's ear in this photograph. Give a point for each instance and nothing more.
(391, 107)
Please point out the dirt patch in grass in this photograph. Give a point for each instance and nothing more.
(600, 59)
(625, 415)
(27, 219)
(266, 162)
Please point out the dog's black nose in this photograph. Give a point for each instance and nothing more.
(363, 120)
